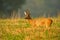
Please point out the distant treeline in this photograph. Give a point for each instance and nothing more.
(38, 8)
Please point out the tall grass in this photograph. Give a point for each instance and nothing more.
(20, 29)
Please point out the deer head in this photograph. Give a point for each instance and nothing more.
(27, 14)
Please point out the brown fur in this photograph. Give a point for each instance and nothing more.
(44, 22)
(40, 22)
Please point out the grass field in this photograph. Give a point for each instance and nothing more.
(19, 29)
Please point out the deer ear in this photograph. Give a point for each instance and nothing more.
(24, 12)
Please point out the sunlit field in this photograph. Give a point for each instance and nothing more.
(20, 29)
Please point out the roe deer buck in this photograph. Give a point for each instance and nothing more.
(38, 22)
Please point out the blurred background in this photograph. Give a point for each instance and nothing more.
(38, 8)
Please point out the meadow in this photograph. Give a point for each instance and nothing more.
(20, 29)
